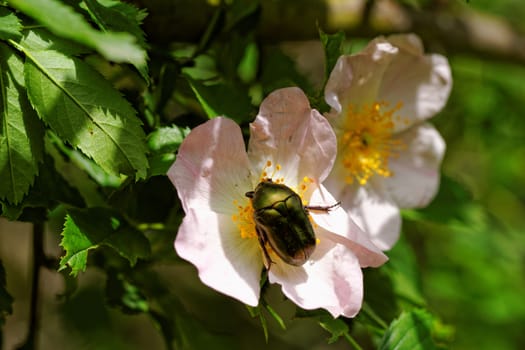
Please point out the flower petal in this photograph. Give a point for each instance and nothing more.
(225, 261)
(421, 83)
(332, 281)
(415, 179)
(339, 227)
(375, 213)
(356, 79)
(289, 133)
(212, 167)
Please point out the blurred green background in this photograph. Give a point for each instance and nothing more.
(472, 249)
(466, 250)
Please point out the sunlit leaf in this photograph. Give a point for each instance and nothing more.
(40, 39)
(166, 139)
(21, 132)
(163, 143)
(63, 21)
(85, 230)
(86, 111)
(10, 26)
(411, 331)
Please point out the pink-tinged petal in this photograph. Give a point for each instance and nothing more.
(421, 83)
(337, 226)
(332, 280)
(212, 168)
(415, 179)
(356, 79)
(373, 211)
(225, 261)
(289, 133)
(411, 43)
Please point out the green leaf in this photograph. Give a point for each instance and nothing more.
(332, 44)
(21, 132)
(411, 331)
(6, 300)
(49, 190)
(335, 326)
(223, 99)
(10, 26)
(86, 111)
(166, 139)
(120, 17)
(249, 65)
(278, 71)
(40, 39)
(257, 312)
(125, 295)
(160, 163)
(82, 163)
(163, 143)
(403, 270)
(63, 21)
(85, 230)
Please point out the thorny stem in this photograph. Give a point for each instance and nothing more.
(38, 261)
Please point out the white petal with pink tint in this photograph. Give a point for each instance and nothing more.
(288, 132)
(212, 168)
(410, 87)
(356, 79)
(212, 174)
(225, 261)
(339, 227)
(421, 83)
(415, 179)
(331, 280)
(373, 211)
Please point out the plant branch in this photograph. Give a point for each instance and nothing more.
(39, 260)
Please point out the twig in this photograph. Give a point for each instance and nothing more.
(38, 261)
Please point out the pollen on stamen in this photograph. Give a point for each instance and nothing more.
(268, 172)
(366, 142)
(243, 219)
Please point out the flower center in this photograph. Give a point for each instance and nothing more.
(366, 144)
(244, 216)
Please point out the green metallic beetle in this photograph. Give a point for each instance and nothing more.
(281, 220)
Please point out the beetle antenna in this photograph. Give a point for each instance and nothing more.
(324, 208)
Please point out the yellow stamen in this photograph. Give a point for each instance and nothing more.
(365, 143)
(244, 219)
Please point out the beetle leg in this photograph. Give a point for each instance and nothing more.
(262, 242)
(322, 208)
